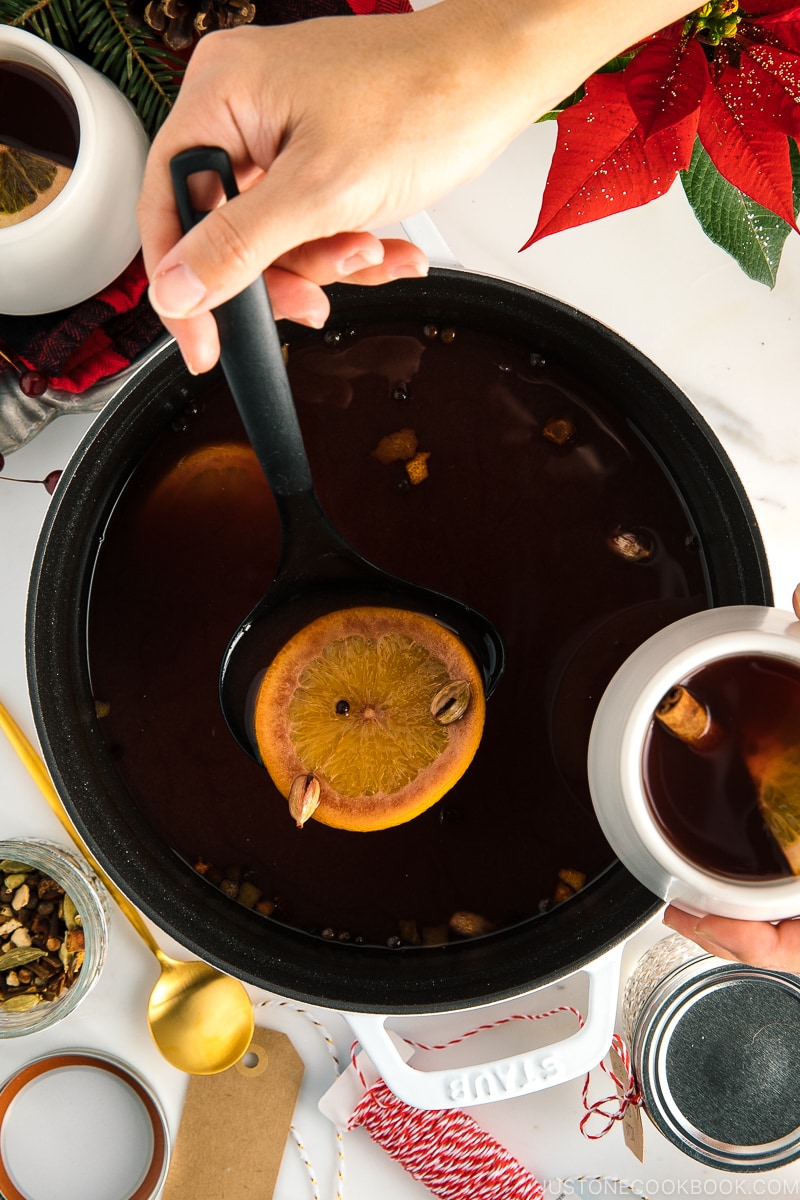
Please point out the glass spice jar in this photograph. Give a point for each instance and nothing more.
(714, 1047)
(90, 900)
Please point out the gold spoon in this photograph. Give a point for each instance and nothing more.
(201, 1019)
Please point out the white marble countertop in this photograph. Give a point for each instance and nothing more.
(733, 347)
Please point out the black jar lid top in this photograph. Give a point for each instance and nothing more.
(717, 1055)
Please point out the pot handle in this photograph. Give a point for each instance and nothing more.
(505, 1078)
(421, 229)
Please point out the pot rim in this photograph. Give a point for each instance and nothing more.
(406, 979)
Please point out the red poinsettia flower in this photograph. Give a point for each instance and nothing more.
(729, 75)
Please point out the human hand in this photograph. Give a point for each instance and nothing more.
(314, 118)
(759, 943)
(339, 125)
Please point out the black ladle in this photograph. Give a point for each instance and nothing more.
(318, 571)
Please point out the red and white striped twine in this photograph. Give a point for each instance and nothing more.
(449, 1152)
(446, 1150)
(611, 1108)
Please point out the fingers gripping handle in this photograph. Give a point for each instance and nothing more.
(251, 354)
(519, 1075)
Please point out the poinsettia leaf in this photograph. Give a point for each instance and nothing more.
(615, 64)
(767, 83)
(672, 31)
(602, 163)
(619, 63)
(575, 98)
(772, 28)
(775, 10)
(666, 82)
(753, 235)
(754, 160)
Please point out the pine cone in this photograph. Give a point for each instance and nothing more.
(179, 22)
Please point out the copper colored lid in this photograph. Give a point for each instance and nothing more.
(80, 1124)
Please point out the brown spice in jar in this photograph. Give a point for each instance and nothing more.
(41, 938)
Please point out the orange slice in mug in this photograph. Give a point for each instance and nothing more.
(28, 182)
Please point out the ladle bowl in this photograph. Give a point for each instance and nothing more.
(318, 571)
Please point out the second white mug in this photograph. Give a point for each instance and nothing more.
(616, 759)
(87, 234)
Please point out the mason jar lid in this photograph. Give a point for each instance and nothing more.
(81, 1125)
(715, 1052)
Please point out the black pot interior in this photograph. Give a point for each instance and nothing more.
(362, 978)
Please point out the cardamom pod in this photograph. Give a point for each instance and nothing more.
(470, 924)
(12, 882)
(303, 798)
(20, 1003)
(451, 702)
(629, 545)
(20, 956)
(72, 918)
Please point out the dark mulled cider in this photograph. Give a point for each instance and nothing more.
(38, 140)
(515, 488)
(729, 800)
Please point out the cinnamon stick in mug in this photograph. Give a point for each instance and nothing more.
(688, 719)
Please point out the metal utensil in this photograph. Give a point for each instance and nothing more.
(318, 571)
(201, 1019)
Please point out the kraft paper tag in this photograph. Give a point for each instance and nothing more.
(632, 1127)
(234, 1125)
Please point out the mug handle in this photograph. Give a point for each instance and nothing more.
(505, 1078)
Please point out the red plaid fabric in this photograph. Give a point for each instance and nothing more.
(76, 348)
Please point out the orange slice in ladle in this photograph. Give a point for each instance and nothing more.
(368, 716)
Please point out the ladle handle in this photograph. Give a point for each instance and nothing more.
(251, 354)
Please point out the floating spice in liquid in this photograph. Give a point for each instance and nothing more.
(515, 523)
(717, 791)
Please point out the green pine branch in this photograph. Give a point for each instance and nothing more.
(53, 20)
(98, 32)
(142, 67)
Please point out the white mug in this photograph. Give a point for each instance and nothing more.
(85, 237)
(616, 759)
